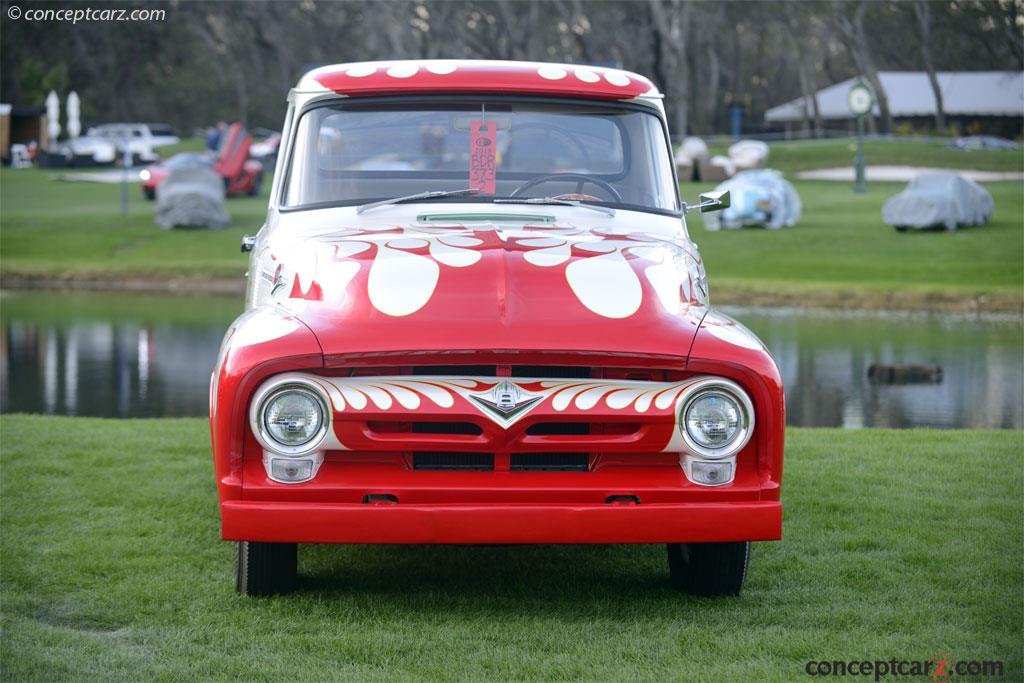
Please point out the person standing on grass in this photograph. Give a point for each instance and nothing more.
(214, 136)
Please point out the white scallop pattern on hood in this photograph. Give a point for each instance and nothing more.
(402, 279)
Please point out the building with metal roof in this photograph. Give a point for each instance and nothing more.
(966, 95)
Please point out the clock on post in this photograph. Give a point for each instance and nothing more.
(861, 100)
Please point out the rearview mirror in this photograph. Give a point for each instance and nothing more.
(713, 201)
(502, 121)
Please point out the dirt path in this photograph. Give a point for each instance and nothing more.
(904, 174)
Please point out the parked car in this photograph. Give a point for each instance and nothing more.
(151, 176)
(976, 142)
(143, 139)
(87, 150)
(758, 198)
(241, 174)
(191, 197)
(938, 200)
(265, 146)
(689, 156)
(475, 315)
(749, 154)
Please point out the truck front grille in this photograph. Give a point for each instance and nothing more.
(484, 462)
(505, 417)
(443, 460)
(550, 462)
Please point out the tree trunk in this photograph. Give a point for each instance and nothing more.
(924, 25)
(812, 113)
(672, 22)
(711, 93)
(855, 39)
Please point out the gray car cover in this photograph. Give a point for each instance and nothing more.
(939, 199)
(757, 198)
(191, 198)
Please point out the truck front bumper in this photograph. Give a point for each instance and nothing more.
(316, 522)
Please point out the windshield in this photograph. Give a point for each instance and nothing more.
(353, 153)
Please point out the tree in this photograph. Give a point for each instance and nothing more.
(924, 25)
(209, 61)
(851, 30)
(672, 23)
(796, 25)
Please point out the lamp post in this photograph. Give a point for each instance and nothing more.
(861, 100)
(126, 165)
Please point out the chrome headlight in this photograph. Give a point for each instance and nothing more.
(716, 419)
(292, 419)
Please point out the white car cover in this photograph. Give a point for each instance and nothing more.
(749, 154)
(939, 199)
(757, 198)
(693, 150)
(191, 198)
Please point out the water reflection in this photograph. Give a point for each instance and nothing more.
(824, 359)
(132, 356)
(107, 369)
(108, 355)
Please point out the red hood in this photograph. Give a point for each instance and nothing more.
(488, 288)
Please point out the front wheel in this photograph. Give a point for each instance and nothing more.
(265, 568)
(709, 569)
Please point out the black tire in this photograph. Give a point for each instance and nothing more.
(149, 192)
(257, 185)
(709, 569)
(265, 568)
(901, 228)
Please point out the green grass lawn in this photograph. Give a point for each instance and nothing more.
(897, 544)
(841, 245)
(59, 228)
(839, 253)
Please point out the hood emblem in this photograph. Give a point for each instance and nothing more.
(506, 401)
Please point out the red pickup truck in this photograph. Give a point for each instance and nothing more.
(475, 316)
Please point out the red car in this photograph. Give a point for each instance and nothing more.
(241, 174)
(475, 316)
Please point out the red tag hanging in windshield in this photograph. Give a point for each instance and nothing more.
(483, 156)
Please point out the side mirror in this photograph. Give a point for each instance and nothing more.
(711, 201)
(248, 243)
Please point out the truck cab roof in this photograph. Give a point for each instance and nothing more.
(360, 79)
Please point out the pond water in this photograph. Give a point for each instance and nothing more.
(127, 355)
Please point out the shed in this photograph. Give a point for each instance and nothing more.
(21, 125)
(995, 98)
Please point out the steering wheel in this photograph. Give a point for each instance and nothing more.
(580, 179)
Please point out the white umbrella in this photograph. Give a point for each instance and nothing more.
(53, 116)
(74, 114)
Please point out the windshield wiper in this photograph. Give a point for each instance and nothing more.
(555, 200)
(419, 196)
